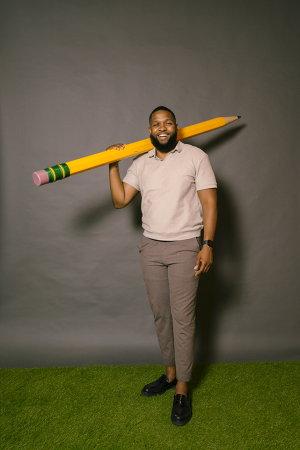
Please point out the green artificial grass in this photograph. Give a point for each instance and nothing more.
(235, 406)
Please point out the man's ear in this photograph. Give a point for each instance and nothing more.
(149, 130)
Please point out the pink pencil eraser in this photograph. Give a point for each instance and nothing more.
(40, 177)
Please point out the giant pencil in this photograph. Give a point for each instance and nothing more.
(64, 170)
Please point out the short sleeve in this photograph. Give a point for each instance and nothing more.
(131, 176)
(205, 177)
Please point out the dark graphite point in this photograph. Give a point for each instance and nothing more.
(239, 117)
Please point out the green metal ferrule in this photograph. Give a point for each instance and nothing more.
(58, 172)
(50, 174)
(66, 169)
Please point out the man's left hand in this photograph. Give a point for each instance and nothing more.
(204, 260)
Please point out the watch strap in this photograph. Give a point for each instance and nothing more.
(209, 243)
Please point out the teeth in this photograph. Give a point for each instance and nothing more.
(163, 135)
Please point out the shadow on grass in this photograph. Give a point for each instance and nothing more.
(200, 372)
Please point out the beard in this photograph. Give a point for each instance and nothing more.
(168, 146)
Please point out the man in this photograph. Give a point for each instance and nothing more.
(172, 178)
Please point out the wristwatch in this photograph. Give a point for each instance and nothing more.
(209, 243)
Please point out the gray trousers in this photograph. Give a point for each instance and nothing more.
(169, 275)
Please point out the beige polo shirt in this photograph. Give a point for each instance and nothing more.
(171, 210)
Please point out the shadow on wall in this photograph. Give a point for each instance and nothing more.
(219, 287)
(221, 139)
(1, 202)
(94, 214)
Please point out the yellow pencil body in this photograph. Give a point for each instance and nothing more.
(64, 170)
(100, 159)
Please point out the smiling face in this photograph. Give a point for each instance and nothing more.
(163, 131)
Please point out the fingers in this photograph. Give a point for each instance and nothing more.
(206, 269)
(198, 264)
(202, 265)
(116, 147)
(202, 268)
(197, 268)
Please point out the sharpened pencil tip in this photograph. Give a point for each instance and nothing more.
(239, 117)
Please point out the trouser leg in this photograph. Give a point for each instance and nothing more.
(168, 272)
(183, 293)
(155, 275)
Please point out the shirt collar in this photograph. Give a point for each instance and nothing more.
(178, 148)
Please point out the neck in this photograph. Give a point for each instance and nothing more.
(162, 155)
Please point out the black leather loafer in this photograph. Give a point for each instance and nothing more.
(158, 387)
(181, 411)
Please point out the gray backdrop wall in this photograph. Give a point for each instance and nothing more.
(78, 76)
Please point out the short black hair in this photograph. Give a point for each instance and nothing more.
(162, 108)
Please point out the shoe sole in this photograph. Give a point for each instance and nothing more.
(154, 394)
(181, 422)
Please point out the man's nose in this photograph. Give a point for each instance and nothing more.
(162, 127)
